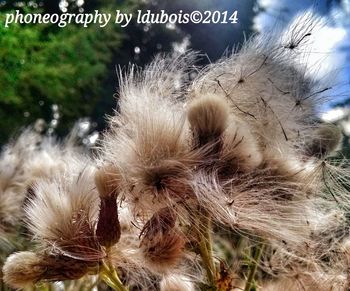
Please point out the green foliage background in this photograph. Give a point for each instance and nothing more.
(65, 67)
(42, 65)
(75, 67)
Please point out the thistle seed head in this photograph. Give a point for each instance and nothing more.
(326, 140)
(108, 180)
(162, 243)
(23, 269)
(208, 117)
(108, 227)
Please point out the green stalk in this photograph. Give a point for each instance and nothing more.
(257, 252)
(110, 277)
(205, 247)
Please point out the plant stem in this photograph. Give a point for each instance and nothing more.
(110, 276)
(257, 251)
(205, 247)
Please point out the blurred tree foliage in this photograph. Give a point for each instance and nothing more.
(40, 68)
(41, 65)
(75, 67)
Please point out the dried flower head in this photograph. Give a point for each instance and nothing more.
(162, 243)
(208, 117)
(61, 216)
(108, 231)
(326, 140)
(108, 182)
(27, 268)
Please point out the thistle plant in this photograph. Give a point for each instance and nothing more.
(227, 181)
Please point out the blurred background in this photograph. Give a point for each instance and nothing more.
(57, 78)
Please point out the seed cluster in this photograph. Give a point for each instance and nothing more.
(227, 181)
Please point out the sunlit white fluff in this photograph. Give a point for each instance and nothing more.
(61, 215)
(176, 282)
(149, 131)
